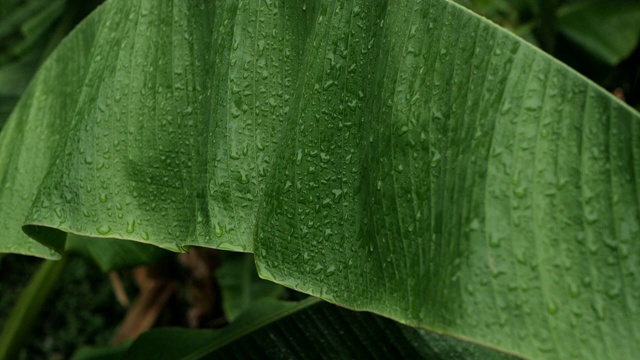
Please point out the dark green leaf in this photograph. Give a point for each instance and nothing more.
(608, 29)
(101, 353)
(441, 172)
(413, 160)
(308, 330)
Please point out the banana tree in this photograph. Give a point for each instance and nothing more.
(409, 159)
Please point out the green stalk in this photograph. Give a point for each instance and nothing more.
(547, 28)
(28, 307)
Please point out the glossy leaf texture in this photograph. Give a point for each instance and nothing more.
(406, 158)
(91, 147)
(448, 175)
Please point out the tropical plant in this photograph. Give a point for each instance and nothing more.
(410, 159)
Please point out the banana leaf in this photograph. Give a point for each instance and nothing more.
(409, 159)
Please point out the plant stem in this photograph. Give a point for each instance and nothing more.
(547, 29)
(29, 306)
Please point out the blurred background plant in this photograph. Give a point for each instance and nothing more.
(598, 38)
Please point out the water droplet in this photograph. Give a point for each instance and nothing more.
(574, 290)
(613, 293)
(533, 103)
(330, 270)
(131, 227)
(104, 229)
(317, 269)
(590, 216)
(435, 159)
(552, 308)
(299, 157)
(337, 195)
(244, 178)
(218, 230)
(103, 198)
(469, 289)
(598, 308)
(287, 186)
(475, 224)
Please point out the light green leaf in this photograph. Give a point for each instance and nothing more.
(240, 285)
(114, 254)
(413, 160)
(608, 29)
(306, 330)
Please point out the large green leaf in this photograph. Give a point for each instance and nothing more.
(413, 160)
(476, 186)
(112, 173)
